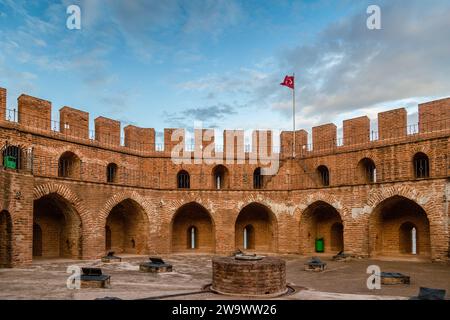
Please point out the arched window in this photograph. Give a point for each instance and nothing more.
(12, 157)
(367, 170)
(258, 182)
(421, 165)
(249, 237)
(324, 175)
(69, 165)
(183, 180)
(220, 175)
(192, 235)
(111, 173)
(408, 238)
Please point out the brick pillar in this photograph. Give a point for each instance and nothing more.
(35, 112)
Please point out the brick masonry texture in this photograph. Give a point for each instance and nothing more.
(143, 211)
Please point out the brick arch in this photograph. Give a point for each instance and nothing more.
(118, 198)
(203, 221)
(322, 197)
(377, 196)
(246, 216)
(67, 194)
(433, 211)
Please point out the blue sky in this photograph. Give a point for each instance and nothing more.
(169, 63)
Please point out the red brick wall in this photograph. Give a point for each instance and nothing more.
(35, 112)
(141, 139)
(149, 179)
(392, 124)
(356, 130)
(434, 116)
(324, 136)
(74, 122)
(107, 131)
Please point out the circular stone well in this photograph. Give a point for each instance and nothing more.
(264, 277)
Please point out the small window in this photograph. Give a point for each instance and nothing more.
(324, 175)
(257, 179)
(183, 180)
(421, 166)
(220, 174)
(111, 173)
(69, 165)
(368, 170)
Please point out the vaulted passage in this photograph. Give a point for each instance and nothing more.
(56, 228)
(5, 239)
(255, 229)
(192, 229)
(399, 227)
(126, 229)
(321, 223)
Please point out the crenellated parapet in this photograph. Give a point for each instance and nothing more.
(34, 114)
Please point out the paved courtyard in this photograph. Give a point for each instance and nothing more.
(46, 279)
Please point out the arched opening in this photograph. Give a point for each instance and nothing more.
(69, 165)
(258, 179)
(391, 228)
(324, 176)
(111, 173)
(108, 238)
(56, 228)
(183, 180)
(12, 157)
(5, 239)
(367, 170)
(260, 225)
(220, 177)
(408, 238)
(192, 229)
(249, 237)
(126, 229)
(421, 165)
(321, 220)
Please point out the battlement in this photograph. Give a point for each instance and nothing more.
(35, 113)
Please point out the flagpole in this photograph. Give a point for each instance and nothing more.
(293, 118)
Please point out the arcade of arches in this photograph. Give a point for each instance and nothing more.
(397, 227)
(192, 229)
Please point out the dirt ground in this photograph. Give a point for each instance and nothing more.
(46, 279)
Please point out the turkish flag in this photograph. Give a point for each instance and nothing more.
(288, 82)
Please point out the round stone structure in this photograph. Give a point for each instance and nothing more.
(265, 277)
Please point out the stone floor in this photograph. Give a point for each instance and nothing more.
(46, 279)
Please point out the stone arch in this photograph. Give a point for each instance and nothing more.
(264, 223)
(386, 224)
(321, 220)
(5, 239)
(189, 215)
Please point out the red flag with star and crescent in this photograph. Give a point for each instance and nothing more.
(288, 82)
